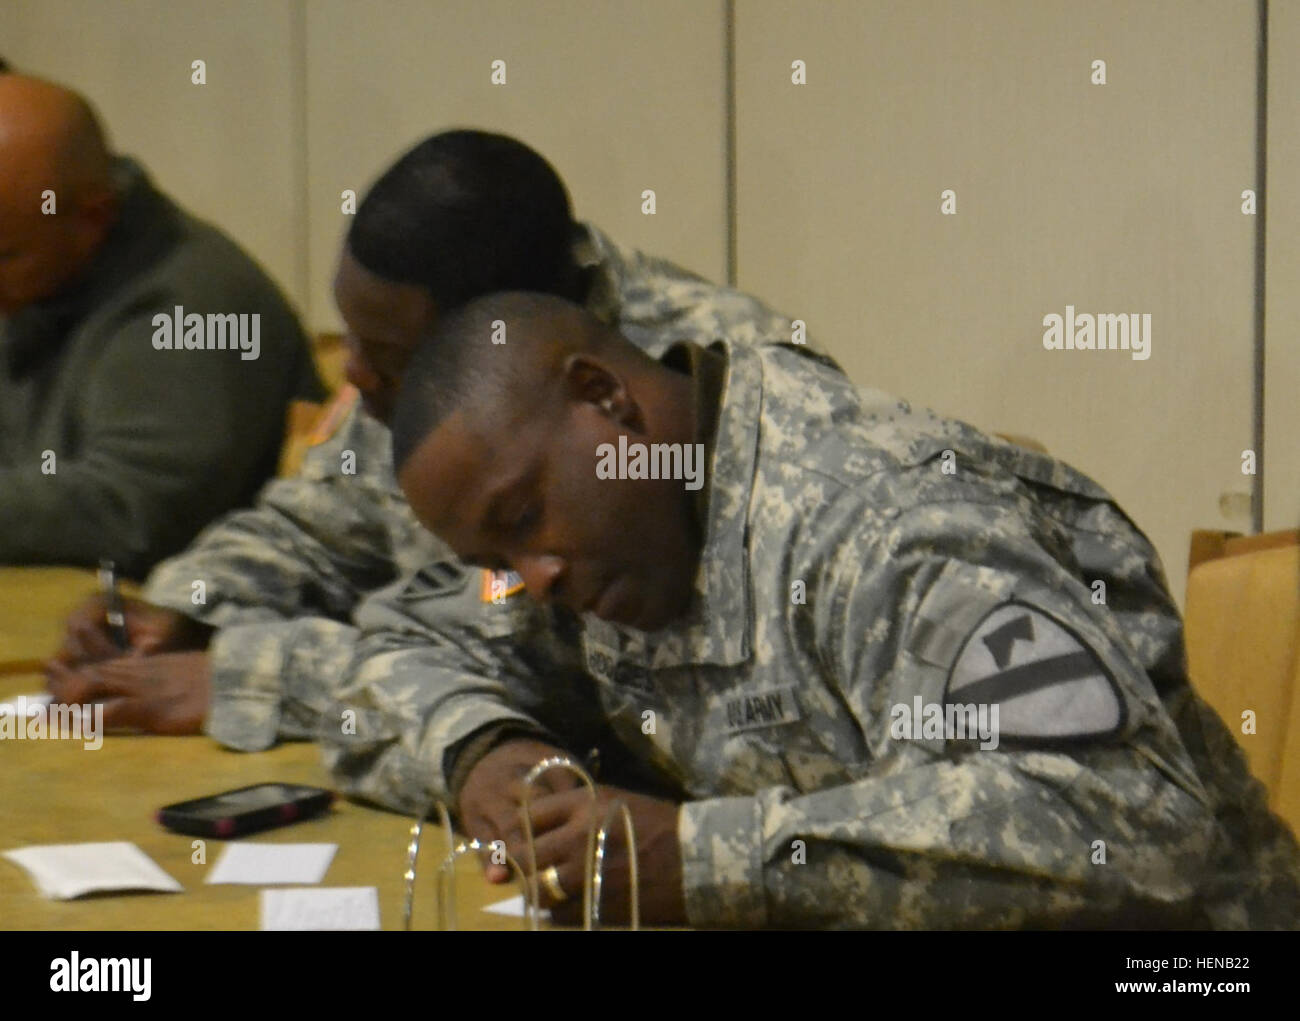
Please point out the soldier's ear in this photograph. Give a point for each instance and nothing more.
(592, 381)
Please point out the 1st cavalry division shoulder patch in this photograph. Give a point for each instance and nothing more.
(1048, 685)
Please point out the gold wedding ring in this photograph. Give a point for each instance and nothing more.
(551, 880)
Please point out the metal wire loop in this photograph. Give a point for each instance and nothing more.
(447, 885)
(545, 765)
(619, 807)
(413, 855)
(594, 861)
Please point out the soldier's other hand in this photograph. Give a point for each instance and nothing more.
(163, 694)
(560, 824)
(489, 802)
(149, 629)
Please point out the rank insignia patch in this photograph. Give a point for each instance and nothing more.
(500, 585)
(1048, 685)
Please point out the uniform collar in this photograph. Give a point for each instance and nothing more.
(718, 627)
(707, 367)
(605, 269)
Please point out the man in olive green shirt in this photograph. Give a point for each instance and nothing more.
(146, 362)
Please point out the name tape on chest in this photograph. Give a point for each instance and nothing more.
(606, 665)
(751, 710)
(1047, 684)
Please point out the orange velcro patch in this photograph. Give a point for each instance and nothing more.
(500, 585)
(334, 414)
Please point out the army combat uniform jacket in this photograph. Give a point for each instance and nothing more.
(927, 679)
(281, 580)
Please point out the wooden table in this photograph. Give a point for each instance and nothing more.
(34, 604)
(58, 792)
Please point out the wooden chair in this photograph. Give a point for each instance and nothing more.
(305, 417)
(1243, 649)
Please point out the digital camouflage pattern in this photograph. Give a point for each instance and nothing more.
(854, 548)
(282, 579)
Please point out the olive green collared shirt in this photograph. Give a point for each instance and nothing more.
(112, 448)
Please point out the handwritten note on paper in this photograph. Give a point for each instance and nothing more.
(349, 908)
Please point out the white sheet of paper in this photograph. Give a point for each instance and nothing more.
(270, 864)
(512, 907)
(64, 871)
(34, 703)
(349, 908)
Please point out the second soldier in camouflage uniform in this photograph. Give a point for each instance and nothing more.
(281, 580)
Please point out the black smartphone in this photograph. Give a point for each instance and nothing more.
(246, 810)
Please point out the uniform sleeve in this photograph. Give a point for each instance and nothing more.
(279, 581)
(434, 666)
(435, 658)
(168, 440)
(311, 545)
(1080, 809)
(277, 681)
(391, 706)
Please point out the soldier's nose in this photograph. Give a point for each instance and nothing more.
(542, 574)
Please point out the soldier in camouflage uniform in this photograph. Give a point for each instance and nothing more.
(283, 577)
(280, 581)
(859, 566)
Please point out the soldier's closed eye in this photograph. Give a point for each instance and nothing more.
(527, 519)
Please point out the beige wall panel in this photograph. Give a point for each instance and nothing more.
(620, 96)
(1282, 298)
(227, 150)
(1114, 198)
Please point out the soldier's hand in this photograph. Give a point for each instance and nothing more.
(149, 629)
(560, 823)
(489, 801)
(163, 694)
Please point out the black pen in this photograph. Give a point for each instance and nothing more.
(113, 612)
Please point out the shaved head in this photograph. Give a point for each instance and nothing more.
(50, 141)
(498, 435)
(498, 351)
